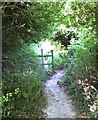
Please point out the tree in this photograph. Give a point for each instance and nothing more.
(96, 16)
(27, 21)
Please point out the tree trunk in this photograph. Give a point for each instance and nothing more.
(96, 16)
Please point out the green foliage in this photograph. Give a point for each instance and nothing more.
(59, 60)
(29, 101)
(64, 36)
(30, 21)
(77, 14)
(7, 103)
(81, 73)
(23, 79)
(23, 23)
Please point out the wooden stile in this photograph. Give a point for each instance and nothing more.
(42, 59)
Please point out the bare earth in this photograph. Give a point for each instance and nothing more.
(59, 105)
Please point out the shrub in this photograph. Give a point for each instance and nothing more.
(22, 82)
(81, 73)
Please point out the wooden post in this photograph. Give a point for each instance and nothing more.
(96, 16)
(42, 57)
(52, 61)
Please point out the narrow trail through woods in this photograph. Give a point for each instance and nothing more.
(59, 105)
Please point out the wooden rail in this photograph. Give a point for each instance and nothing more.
(44, 55)
(42, 59)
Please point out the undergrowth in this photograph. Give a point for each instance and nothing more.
(81, 77)
(59, 60)
(23, 85)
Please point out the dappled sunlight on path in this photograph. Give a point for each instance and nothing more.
(59, 105)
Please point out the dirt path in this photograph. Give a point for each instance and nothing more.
(59, 105)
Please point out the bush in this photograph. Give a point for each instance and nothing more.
(59, 61)
(81, 73)
(22, 82)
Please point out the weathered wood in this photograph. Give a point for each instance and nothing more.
(42, 57)
(47, 64)
(52, 61)
(45, 56)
